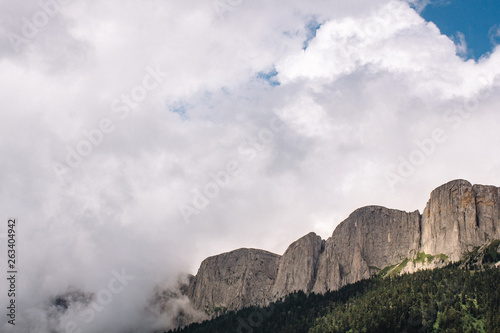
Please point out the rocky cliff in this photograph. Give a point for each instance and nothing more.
(234, 280)
(457, 218)
(299, 266)
(370, 239)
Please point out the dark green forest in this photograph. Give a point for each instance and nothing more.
(457, 298)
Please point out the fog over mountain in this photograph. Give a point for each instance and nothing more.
(458, 219)
(138, 138)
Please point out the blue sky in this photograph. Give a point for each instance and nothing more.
(477, 20)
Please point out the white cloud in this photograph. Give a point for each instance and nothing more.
(420, 5)
(494, 34)
(374, 80)
(461, 45)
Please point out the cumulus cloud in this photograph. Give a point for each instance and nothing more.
(139, 139)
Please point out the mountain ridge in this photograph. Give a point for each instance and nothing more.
(460, 297)
(458, 217)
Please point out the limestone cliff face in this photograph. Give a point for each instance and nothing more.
(328, 276)
(234, 280)
(372, 238)
(298, 266)
(457, 217)
(487, 212)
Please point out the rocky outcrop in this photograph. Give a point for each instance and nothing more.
(457, 218)
(488, 255)
(487, 211)
(413, 266)
(372, 238)
(234, 280)
(328, 276)
(298, 266)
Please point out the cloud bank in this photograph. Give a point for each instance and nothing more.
(137, 139)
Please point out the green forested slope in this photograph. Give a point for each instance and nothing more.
(450, 299)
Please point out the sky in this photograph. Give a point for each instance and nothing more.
(139, 138)
(474, 26)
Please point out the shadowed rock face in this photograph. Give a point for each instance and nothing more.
(372, 238)
(234, 280)
(298, 266)
(328, 276)
(457, 217)
(487, 212)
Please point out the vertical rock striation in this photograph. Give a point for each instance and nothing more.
(298, 266)
(487, 212)
(459, 217)
(372, 238)
(328, 276)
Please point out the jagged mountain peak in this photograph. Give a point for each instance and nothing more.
(457, 218)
